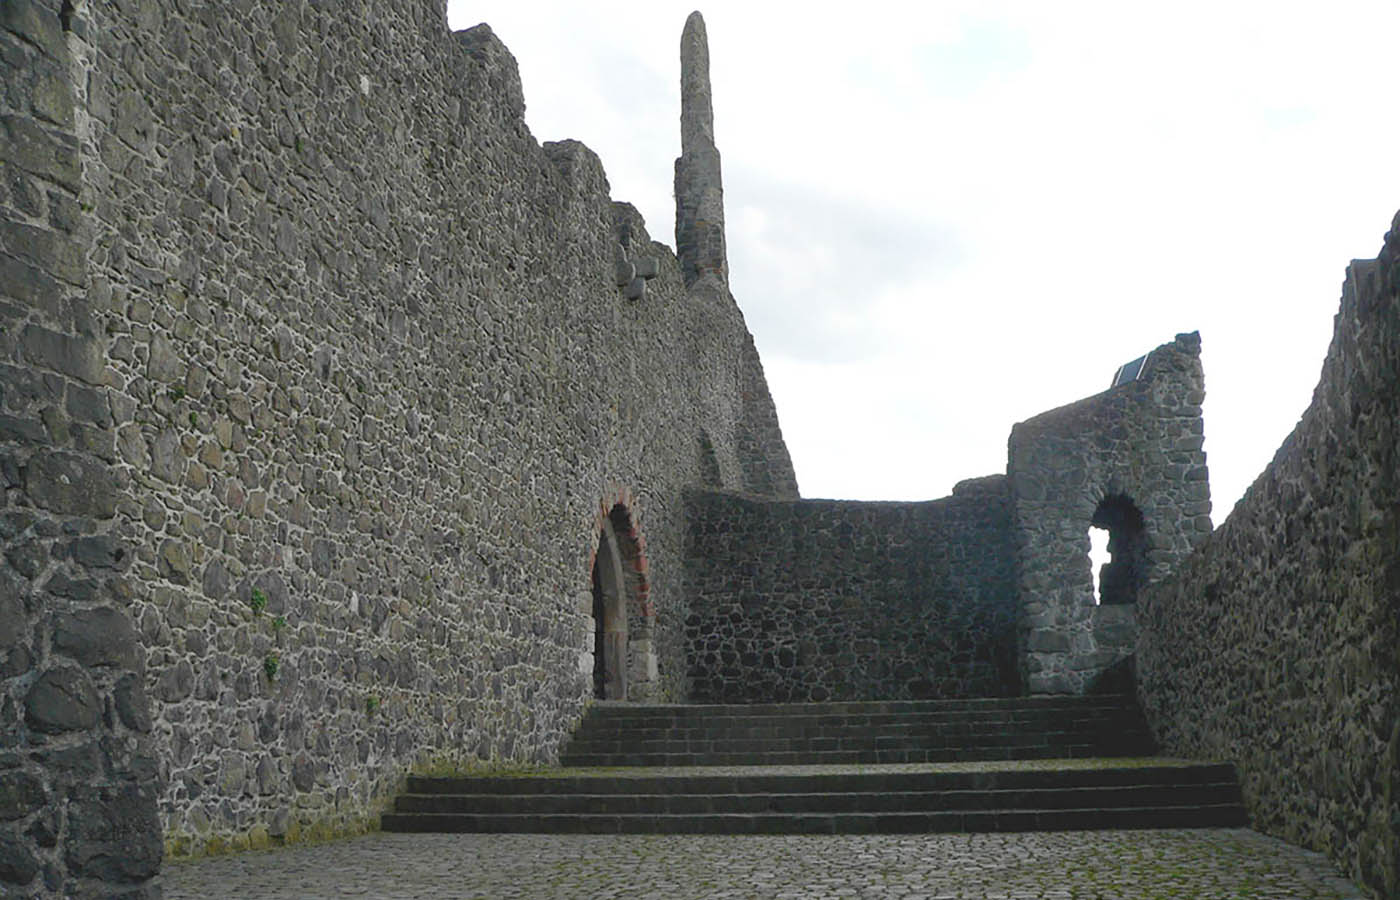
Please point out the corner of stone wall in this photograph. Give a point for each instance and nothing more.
(77, 775)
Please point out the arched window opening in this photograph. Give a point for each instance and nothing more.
(1125, 571)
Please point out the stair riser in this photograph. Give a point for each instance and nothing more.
(1035, 720)
(854, 741)
(1138, 798)
(865, 707)
(834, 757)
(856, 782)
(841, 823)
(764, 733)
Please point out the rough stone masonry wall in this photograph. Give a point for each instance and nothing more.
(1142, 440)
(77, 786)
(1277, 644)
(374, 385)
(832, 600)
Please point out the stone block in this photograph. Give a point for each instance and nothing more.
(20, 794)
(79, 357)
(114, 833)
(101, 636)
(61, 700)
(35, 23)
(70, 484)
(18, 864)
(28, 146)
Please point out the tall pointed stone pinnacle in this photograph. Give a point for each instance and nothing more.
(699, 189)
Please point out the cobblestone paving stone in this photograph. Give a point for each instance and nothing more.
(1210, 864)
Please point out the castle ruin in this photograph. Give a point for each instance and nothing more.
(346, 432)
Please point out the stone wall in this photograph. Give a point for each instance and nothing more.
(356, 370)
(822, 599)
(77, 787)
(1137, 447)
(1277, 644)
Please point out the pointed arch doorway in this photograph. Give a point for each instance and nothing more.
(624, 656)
(609, 618)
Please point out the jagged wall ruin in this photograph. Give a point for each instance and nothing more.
(1139, 445)
(1277, 644)
(345, 372)
(808, 600)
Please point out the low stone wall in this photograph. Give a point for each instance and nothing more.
(829, 600)
(1277, 644)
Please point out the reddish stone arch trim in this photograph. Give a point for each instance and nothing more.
(618, 514)
(631, 542)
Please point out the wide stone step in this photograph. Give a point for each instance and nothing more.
(702, 742)
(902, 708)
(838, 725)
(1188, 816)
(1138, 796)
(808, 757)
(770, 780)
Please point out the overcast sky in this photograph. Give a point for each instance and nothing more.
(945, 218)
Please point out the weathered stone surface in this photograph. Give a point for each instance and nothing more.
(113, 833)
(70, 484)
(18, 864)
(825, 600)
(132, 704)
(1277, 644)
(20, 794)
(62, 699)
(101, 552)
(80, 357)
(12, 619)
(96, 637)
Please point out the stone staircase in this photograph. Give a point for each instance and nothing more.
(1041, 763)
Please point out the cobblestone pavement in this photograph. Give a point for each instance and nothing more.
(1210, 864)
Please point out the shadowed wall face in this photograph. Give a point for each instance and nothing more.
(345, 360)
(1277, 644)
(830, 600)
(77, 774)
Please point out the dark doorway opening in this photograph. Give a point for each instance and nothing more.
(609, 619)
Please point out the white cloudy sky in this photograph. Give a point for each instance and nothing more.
(944, 218)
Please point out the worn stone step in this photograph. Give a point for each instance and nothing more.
(850, 740)
(835, 757)
(1140, 796)
(1186, 816)
(692, 712)
(767, 780)
(839, 727)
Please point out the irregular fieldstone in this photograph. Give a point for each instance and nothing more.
(70, 484)
(175, 683)
(114, 833)
(100, 636)
(20, 794)
(18, 864)
(62, 699)
(133, 707)
(13, 621)
(101, 552)
(80, 357)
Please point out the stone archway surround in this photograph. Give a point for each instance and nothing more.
(617, 519)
